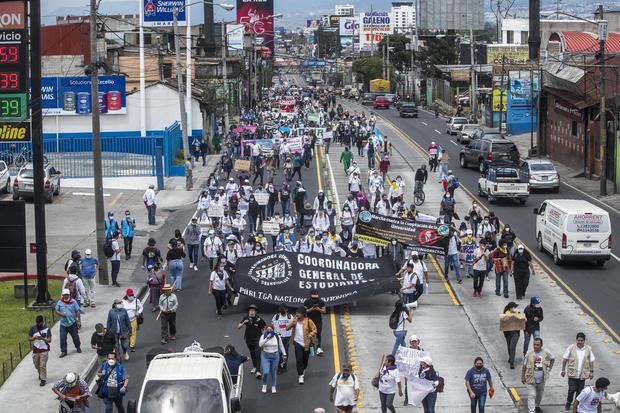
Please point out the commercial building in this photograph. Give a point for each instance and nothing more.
(344, 10)
(403, 16)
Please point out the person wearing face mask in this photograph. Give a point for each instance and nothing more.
(382, 207)
(427, 372)
(113, 383)
(102, 341)
(191, 235)
(280, 320)
(231, 187)
(448, 208)
(511, 336)
(219, 280)
(111, 226)
(303, 332)
(347, 218)
(476, 380)
(468, 246)
(299, 201)
(475, 217)
(345, 158)
(174, 262)
(238, 225)
(119, 324)
(254, 326)
(168, 305)
(70, 321)
(272, 349)
(533, 316)
(134, 308)
(253, 213)
(502, 262)
(389, 382)
(521, 270)
(452, 256)
(344, 390)
(315, 308)
(212, 248)
(486, 227)
(353, 251)
(226, 223)
(320, 221)
(479, 267)
(40, 337)
(320, 201)
(128, 226)
(354, 170)
(355, 184)
(304, 245)
(508, 236)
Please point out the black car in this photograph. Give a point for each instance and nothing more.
(408, 109)
(482, 151)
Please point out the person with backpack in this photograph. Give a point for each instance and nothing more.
(112, 251)
(344, 390)
(397, 324)
(111, 226)
(427, 372)
(128, 230)
(75, 286)
(412, 287)
(280, 320)
(151, 254)
(452, 183)
(218, 282)
(389, 381)
(74, 261)
(448, 208)
(90, 269)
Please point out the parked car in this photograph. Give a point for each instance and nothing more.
(5, 178)
(23, 184)
(382, 102)
(368, 99)
(481, 152)
(502, 180)
(490, 133)
(454, 124)
(541, 174)
(573, 230)
(408, 109)
(391, 97)
(464, 134)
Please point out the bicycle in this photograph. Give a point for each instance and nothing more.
(24, 157)
(418, 195)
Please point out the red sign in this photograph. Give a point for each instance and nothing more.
(257, 17)
(12, 15)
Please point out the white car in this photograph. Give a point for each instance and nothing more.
(454, 124)
(465, 133)
(5, 178)
(501, 180)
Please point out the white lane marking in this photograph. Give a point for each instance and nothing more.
(424, 123)
(454, 142)
(86, 194)
(437, 131)
(615, 256)
(603, 204)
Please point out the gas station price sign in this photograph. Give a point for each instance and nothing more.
(13, 62)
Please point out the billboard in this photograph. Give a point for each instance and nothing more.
(373, 27)
(349, 26)
(66, 96)
(451, 14)
(346, 41)
(234, 36)
(160, 12)
(508, 54)
(314, 24)
(257, 16)
(334, 21)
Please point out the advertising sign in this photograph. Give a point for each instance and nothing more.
(499, 105)
(288, 277)
(161, 12)
(257, 17)
(349, 26)
(380, 229)
(15, 132)
(451, 15)
(334, 21)
(373, 28)
(234, 36)
(66, 96)
(346, 41)
(314, 24)
(508, 54)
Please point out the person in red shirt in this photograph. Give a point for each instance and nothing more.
(384, 165)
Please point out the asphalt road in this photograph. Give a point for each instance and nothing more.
(597, 287)
(196, 320)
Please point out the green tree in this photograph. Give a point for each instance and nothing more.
(437, 51)
(400, 57)
(368, 68)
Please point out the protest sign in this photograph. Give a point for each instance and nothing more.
(215, 211)
(261, 197)
(408, 361)
(417, 390)
(242, 165)
(271, 227)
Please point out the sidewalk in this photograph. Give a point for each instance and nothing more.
(440, 321)
(21, 388)
(563, 318)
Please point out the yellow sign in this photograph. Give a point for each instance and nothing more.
(497, 95)
(508, 55)
(14, 132)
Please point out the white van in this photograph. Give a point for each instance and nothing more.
(573, 230)
(189, 383)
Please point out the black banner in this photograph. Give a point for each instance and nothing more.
(423, 236)
(288, 277)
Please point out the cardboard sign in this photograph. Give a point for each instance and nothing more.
(512, 322)
(271, 227)
(215, 211)
(408, 361)
(261, 197)
(242, 165)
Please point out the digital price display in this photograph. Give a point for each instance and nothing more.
(11, 82)
(13, 107)
(9, 55)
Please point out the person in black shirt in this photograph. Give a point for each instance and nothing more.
(315, 308)
(354, 252)
(102, 341)
(521, 266)
(151, 254)
(254, 326)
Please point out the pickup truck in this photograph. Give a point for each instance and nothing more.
(187, 383)
(501, 180)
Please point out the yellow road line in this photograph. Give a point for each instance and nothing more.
(552, 273)
(115, 200)
(514, 394)
(318, 167)
(447, 285)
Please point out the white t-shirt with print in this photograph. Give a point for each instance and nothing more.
(410, 279)
(589, 400)
(219, 284)
(345, 390)
(388, 380)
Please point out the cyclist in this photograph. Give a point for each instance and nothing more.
(421, 175)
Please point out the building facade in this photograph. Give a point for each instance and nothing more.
(344, 10)
(403, 16)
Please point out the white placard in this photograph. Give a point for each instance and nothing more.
(215, 211)
(271, 227)
(408, 361)
(261, 197)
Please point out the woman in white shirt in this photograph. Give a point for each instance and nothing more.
(133, 306)
(320, 221)
(271, 345)
(347, 218)
(389, 382)
(403, 314)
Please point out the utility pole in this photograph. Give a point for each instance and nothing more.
(43, 297)
(177, 47)
(387, 55)
(501, 94)
(473, 98)
(225, 73)
(383, 60)
(255, 65)
(602, 33)
(97, 168)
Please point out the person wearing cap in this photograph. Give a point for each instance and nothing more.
(212, 248)
(150, 202)
(427, 372)
(578, 364)
(168, 306)
(90, 268)
(111, 225)
(174, 263)
(344, 390)
(533, 316)
(113, 380)
(591, 398)
(70, 321)
(73, 391)
(521, 269)
(536, 370)
(191, 234)
(354, 170)
(452, 183)
(40, 337)
(134, 308)
(231, 187)
(128, 230)
(511, 336)
(119, 324)
(412, 287)
(468, 247)
(115, 259)
(254, 326)
(303, 333)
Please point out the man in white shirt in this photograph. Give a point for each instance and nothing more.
(353, 169)
(346, 389)
(304, 245)
(150, 202)
(212, 247)
(578, 362)
(355, 184)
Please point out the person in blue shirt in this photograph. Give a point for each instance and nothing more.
(476, 380)
(69, 311)
(90, 268)
(113, 383)
(119, 324)
(128, 225)
(111, 226)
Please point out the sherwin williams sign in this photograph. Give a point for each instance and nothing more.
(71, 95)
(161, 12)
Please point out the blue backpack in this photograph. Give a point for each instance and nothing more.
(455, 183)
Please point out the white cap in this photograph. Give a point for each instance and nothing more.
(66, 291)
(88, 251)
(470, 232)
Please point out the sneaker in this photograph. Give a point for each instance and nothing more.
(79, 350)
(538, 410)
(173, 337)
(42, 383)
(301, 379)
(163, 341)
(497, 294)
(62, 355)
(567, 406)
(132, 349)
(319, 351)
(264, 389)
(258, 375)
(93, 305)
(252, 371)
(459, 282)
(126, 356)
(273, 390)
(475, 294)
(195, 268)
(505, 295)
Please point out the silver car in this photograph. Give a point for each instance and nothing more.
(541, 174)
(464, 135)
(453, 125)
(5, 178)
(23, 185)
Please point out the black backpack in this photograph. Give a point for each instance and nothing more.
(395, 319)
(108, 251)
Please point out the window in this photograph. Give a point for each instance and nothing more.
(574, 128)
(510, 37)
(524, 37)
